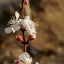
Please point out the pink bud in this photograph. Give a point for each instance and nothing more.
(25, 2)
(16, 62)
(31, 37)
(19, 38)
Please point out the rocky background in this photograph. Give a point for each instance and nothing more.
(48, 47)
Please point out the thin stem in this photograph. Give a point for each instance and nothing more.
(23, 35)
(25, 47)
(23, 30)
(24, 40)
(22, 9)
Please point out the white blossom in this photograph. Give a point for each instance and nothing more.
(29, 25)
(26, 22)
(25, 57)
(36, 63)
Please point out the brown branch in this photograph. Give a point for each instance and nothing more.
(28, 9)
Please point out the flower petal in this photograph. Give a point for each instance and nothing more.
(13, 30)
(8, 30)
(16, 27)
(17, 15)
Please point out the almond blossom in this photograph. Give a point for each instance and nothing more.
(16, 25)
(24, 58)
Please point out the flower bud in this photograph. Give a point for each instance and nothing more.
(31, 37)
(25, 2)
(16, 62)
(19, 38)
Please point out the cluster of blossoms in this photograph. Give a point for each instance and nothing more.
(15, 25)
(24, 58)
(25, 24)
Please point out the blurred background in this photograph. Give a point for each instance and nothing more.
(48, 47)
